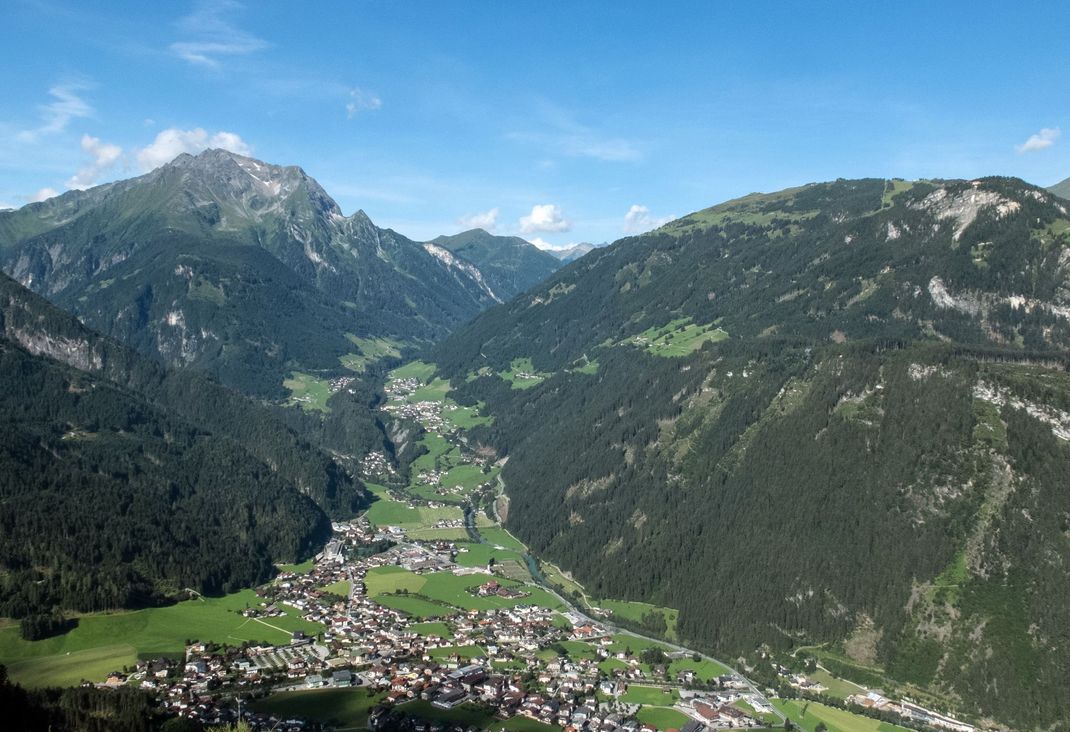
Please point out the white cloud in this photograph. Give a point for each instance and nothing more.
(360, 101)
(639, 220)
(1043, 139)
(211, 34)
(487, 220)
(56, 115)
(543, 244)
(6, 206)
(544, 217)
(102, 155)
(43, 195)
(172, 142)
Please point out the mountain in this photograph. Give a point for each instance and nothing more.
(130, 482)
(1061, 189)
(509, 264)
(833, 416)
(241, 269)
(574, 252)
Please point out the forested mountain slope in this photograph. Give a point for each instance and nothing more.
(835, 414)
(245, 270)
(129, 482)
(509, 264)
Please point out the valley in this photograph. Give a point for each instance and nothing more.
(426, 605)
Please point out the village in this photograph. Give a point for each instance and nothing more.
(430, 627)
(517, 661)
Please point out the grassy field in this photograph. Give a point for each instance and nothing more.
(625, 641)
(466, 418)
(839, 688)
(679, 337)
(662, 717)
(341, 707)
(428, 629)
(307, 391)
(807, 715)
(579, 649)
(497, 536)
(371, 350)
(388, 580)
(452, 589)
(341, 587)
(524, 724)
(467, 477)
(530, 377)
(554, 574)
(610, 665)
(477, 555)
(302, 568)
(635, 611)
(70, 669)
(100, 642)
(416, 520)
(414, 370)
(415, 606)
(704, 669)
(649, 695)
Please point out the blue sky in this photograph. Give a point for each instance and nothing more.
(561, 122)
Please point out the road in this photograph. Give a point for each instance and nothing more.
(473, 533)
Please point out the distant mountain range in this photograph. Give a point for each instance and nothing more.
(574, 252)
(247, 271)
(509, 264)
(837, 416)
(1061, 189)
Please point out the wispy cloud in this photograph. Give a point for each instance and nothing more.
(568, 137)
(42, 194)
(487, 220)
(1041, 140)
(171, 143)
(544, 217)
(361, 101)
(638, 220)
(102, 156)
(66, 105)
(209, 34)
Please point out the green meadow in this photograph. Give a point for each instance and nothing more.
(308, 392)
(343, 708)
(105, 642)
(662, 717)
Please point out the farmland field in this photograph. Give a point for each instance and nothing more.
(426, 629)
(388, 580)
(648, 695)
(807, 715)
(141, 633)
(307, 391)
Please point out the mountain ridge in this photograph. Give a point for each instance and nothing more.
(829, 415)
(176, 261)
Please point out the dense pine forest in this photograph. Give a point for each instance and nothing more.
(125, 484)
